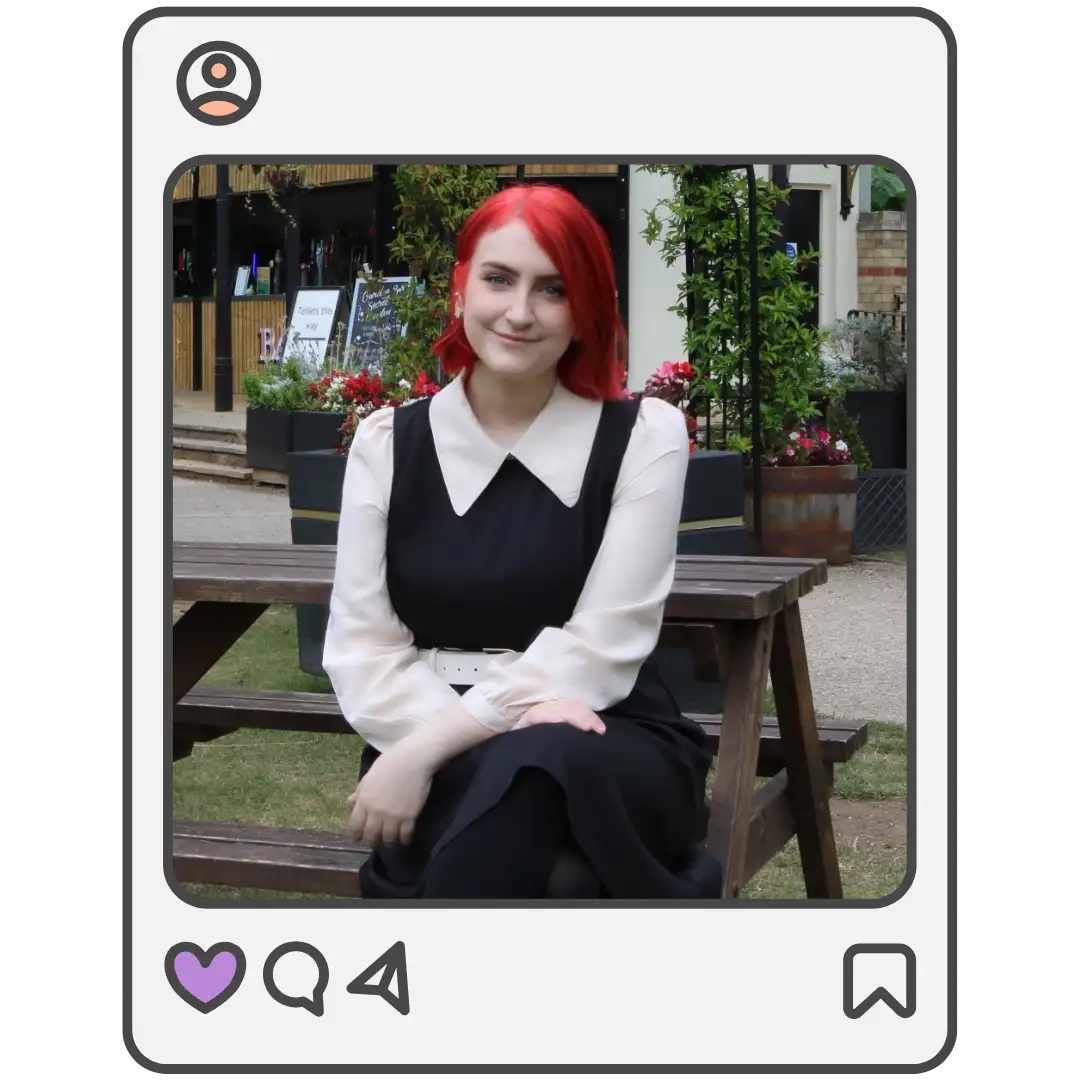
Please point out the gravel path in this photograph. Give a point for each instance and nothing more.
(855, 626)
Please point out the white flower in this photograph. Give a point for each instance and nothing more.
(793, 436)
(840, 444)
(405, 383)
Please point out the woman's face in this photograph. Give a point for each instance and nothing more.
(515, 313)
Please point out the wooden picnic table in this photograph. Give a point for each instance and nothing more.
(738, 616)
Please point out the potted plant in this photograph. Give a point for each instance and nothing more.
(709, 208)
(295, 404)
(272, 395)
(867, 365)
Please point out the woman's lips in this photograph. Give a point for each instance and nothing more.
(515, 340)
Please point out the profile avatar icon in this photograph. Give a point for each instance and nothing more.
(218, 82)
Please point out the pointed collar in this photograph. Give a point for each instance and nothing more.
(555, 448)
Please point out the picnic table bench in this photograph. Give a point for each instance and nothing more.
(738, 617)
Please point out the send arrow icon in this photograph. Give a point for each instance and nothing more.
(392, 967)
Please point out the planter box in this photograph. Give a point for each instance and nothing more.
(712, 510)
(269, 438)
(316, 430)
(881, 417)
(315, 481)
(807, 511)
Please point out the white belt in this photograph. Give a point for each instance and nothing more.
(459, 668)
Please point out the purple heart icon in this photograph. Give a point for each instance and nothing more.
(207, 978)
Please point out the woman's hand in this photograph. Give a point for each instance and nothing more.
(386, 803)
(562, 711)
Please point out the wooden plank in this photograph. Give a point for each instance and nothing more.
(280, 710)
(285, 868)
(808, 789)
(736, 761)
(691, 571)
(308, 580)
(183, 348)
(819, 566)
(771, 823)
(204, 634)
(797, 583)
(300, 585)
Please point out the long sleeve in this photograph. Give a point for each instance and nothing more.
(384, 690)
(596, 657)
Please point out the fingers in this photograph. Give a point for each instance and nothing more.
(562, 712)
(373, 827)
(390, 829)
(357, 823)
(589, 722)
(406, 834)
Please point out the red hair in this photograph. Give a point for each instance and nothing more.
(570, 236)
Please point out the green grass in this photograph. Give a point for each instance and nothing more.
(299, 780)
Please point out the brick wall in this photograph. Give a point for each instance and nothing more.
(883, 260)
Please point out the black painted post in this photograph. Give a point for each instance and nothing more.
(196, 283)
(622, 247)
(223, 361)
(755, 355)
(292, 246)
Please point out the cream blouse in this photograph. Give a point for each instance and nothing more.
(384, 690)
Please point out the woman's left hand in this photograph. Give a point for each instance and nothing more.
(386, 803)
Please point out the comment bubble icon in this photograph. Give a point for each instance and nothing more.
(290, 979)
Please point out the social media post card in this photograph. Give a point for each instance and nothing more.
(727, 836)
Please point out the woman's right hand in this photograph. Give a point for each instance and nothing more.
(562, 711)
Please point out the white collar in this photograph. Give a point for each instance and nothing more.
(555, 448)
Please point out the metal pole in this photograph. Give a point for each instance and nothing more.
(223, 361)
(292, 247)
(196, 291)
(755, 357)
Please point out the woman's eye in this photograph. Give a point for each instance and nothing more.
(496, 279)
(556, 290)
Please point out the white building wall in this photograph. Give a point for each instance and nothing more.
(656, 333)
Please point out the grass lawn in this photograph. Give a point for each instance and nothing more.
(297, 780)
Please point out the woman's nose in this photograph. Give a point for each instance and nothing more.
(520, 311)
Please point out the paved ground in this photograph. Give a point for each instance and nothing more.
(855, 626)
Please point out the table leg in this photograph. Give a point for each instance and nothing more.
(808, 786)
(203, 635)
(734, 781)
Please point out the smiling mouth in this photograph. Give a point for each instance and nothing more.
(516, 340)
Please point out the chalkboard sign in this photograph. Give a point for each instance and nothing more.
(373, 322)
(312, 324)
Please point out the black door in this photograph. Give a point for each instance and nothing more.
(804, 230)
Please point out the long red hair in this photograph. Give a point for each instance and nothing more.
(593, 366)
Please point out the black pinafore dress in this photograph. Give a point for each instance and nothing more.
(514, 563)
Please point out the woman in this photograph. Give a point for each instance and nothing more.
(505, 549)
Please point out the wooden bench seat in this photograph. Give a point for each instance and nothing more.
(207, 712)
(309, 861)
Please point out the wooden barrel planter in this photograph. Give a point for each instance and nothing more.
(808, 511)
